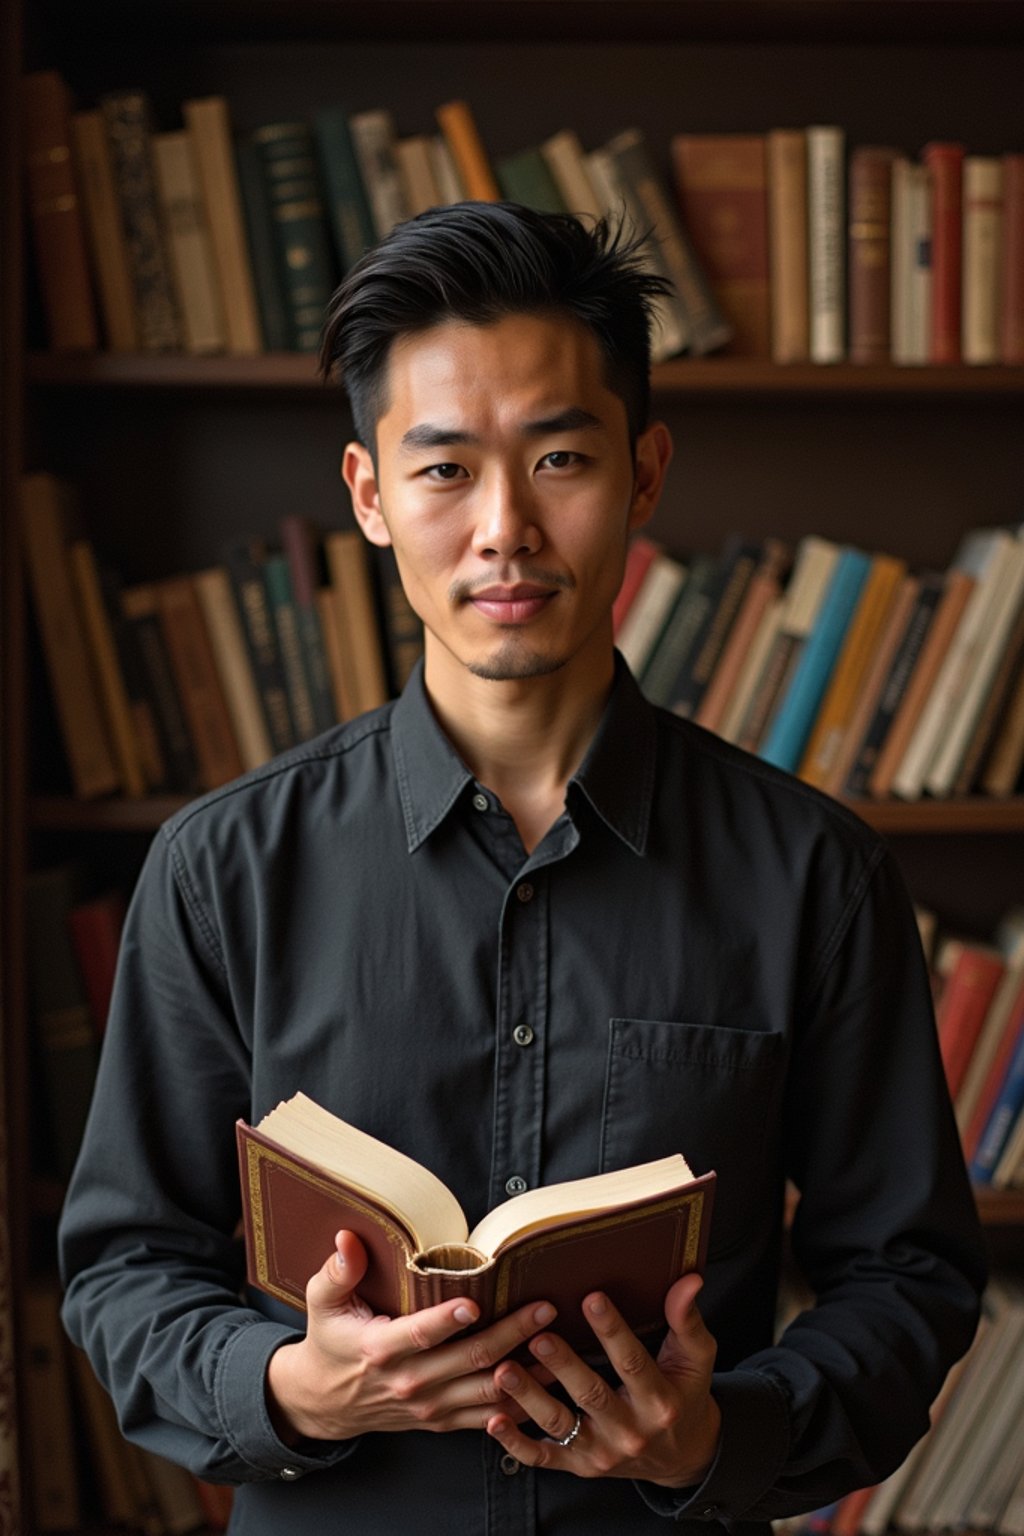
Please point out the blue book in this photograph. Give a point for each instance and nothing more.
(787, 737)
(1008, 1105)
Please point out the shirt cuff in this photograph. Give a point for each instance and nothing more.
(752, 1450)
(245, 1420)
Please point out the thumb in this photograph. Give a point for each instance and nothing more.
(334, 1283)
(688, 1347)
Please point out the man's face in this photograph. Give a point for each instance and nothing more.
(506, 485)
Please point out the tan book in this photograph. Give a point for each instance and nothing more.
(982, 257)
(99, 634)
(44, 525)
(415, 159)
(339, 661)
(307, 1174)
(199, 686)
(220, 610)
(462, 136)
(959, 587)
(567, 162)
(787, 244)
(56, 215)
(374, 140)
(357, 616)
(852, 665)
(209, 128)
(1006, 759)
(193, 267)
(94, 171)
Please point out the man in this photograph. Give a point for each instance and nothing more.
(525, 927)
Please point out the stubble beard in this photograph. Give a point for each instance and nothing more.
(513, 662)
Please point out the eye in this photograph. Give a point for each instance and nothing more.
(444, 471)
(562, 458)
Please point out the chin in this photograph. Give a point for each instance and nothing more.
(513, 663)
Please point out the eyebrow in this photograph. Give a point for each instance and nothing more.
(574, 418)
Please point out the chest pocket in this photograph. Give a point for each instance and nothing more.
(712, 1094)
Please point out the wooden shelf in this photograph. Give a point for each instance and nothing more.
(64, 814)
(709, 376)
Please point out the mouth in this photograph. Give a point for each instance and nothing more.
(513, 604)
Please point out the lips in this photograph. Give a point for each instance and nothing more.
(512, 605)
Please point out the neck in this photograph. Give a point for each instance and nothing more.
(523, 738)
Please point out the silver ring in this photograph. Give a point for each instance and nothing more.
(571, 1436)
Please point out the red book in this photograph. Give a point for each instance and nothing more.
(1011, 337)
(869, 253)
(966, 999)
(96, 937)
(996, 1073)
(638, 562)
(944, 163)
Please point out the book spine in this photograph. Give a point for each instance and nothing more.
(1003, 769)
(458, 125)
(128, 119)
(56, 215)
(209, 127)
(982, 251)
(944, 163)
(347, 206)
(733, 577)
(764, 589)
(646, 619)
(402, 626)
(910, 296)
(244, 560)
(359, 624)
(95, 931)
(684, 624)
(869, 258)
(301, 547)
(995, 1075)
(795, 718)
(199, 685)
(525, 178)
(1007, 1107)
(75, 690)
(373, 140)
(965, 1002)
(113, 694)
(639, 558)
(95, 176)
(567, 163)
(787, 232)
(139, 608)
(220, 612)
(1011, 304)
(894, 685)
(721, 185)
(285, 615)
(826, 233)
(865, 705)
(268, 279)
(415, 158)
(300, 227)
(188, 241)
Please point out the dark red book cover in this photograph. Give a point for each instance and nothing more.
(945, 164)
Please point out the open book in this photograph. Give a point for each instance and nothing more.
(306, 1174)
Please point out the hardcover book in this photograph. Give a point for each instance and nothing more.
(307, 1174)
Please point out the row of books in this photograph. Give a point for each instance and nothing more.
(861, 675)
(967, 1474)
(979, 1006)
(183, 683)
(778, 244)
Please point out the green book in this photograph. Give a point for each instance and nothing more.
(299, 222)
(266, 263)
(289, 641)
(348, 209)
(525, 178)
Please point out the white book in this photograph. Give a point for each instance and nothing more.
(910, 298)
(193, 266)
(1005, 597)
(826, 242)
(982, 258)
(979, 555)
(563, 154)
(416, 169)
(374, 138)
(648, 611)
(445, 172)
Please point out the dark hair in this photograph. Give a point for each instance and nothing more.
(478, 262)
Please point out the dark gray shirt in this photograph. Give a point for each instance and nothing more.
(702, 955)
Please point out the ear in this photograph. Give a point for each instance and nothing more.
(653, 456)
(359, 475)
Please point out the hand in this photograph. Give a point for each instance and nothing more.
(355, 1371)
(661, 1426)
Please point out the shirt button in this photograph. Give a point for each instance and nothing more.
(709, 1511)
(525, 891)
(480, 803)
(516, 1185)
(510, 1466)
(290, 1474)
(522, 1034)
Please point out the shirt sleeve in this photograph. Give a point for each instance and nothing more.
(151, 1259)
(886, 1235)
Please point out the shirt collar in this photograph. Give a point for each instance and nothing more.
(616, 775)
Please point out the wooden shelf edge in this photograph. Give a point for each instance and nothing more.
(680, 378)
(925, 817)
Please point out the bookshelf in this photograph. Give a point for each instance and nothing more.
(172, 454)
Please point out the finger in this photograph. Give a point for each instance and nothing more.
(550, 1415)
(336, 1281)
(529, 1452)
(482, 1351)
(631, 1362)
(586, 1388)
(689, 1346)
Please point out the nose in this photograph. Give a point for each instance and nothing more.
(507, 525)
